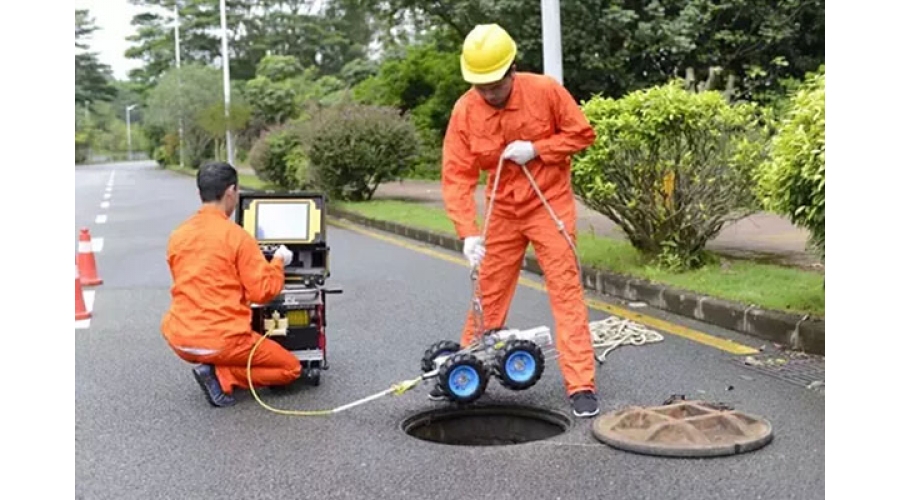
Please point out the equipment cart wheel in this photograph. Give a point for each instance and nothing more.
(519, 365)
(313, 375)
(463, 378)
(438, 349)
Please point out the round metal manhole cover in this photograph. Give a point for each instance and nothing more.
(496, 425)
(683, 429)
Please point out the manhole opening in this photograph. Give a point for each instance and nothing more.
(486, 425)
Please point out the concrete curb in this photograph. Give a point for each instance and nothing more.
(795, 331)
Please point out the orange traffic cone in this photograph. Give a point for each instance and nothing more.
(81, 311)
(87, 266)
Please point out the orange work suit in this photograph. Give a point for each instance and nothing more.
(217, 271)
(542, 111)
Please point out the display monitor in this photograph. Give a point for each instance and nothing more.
(282, 220)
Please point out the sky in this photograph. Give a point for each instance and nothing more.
(113, 18)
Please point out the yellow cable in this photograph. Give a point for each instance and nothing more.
(296, 413)
(396, 389)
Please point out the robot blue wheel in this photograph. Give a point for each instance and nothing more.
(463, 378)
(519, 364)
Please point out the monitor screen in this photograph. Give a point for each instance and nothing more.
(282, 221)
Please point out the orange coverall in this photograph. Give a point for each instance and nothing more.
(217, 270)
(541, 111)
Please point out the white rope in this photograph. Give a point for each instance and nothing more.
(614, 332)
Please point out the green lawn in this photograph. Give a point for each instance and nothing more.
(765, 285)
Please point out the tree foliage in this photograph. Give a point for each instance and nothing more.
(93, 79)
(612, 47)
(191, 96)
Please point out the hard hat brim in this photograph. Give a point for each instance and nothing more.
(476, 78)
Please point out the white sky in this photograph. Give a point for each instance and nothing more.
(113, 18)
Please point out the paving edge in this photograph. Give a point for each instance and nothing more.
(795, 331)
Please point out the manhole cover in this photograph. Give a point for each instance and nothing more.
(486, 425)
(683, 429)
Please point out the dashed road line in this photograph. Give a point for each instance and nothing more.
(97, 244)
(104, 204)
(107, 195)
(101, 219)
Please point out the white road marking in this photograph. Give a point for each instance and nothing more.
(101, 219)
(107, 195)
(96, 245)
(89, 305)
(108, 189)
(104, 204)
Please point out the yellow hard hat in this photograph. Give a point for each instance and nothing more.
(487, 54)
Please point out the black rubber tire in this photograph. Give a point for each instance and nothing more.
(456, 360)
(313, 376)
(436, 349)
(506, 352)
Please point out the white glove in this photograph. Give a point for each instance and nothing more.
(286, 255)
(473, 249)
(520, 152)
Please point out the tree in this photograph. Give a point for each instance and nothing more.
(93, 79)
(612, 47)
(199, 90)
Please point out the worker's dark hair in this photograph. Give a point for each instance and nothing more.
(213, 179)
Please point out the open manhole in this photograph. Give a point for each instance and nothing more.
(486, 425)
(683, 429)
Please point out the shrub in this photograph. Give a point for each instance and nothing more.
(352, 149)
(82, 146)
(269, 156)
(671, 167)
(793, 182)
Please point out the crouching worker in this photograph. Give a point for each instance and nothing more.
(217, 271)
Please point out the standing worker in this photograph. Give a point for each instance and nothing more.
(217, 271)
(533, 121)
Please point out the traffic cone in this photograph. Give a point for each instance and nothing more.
(81, 311)
(87, 266)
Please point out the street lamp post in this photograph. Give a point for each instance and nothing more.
(552, 38)
(227, 83)
(128, 126)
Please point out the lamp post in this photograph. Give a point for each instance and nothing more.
(552, 39)
(226, 82)
(128, 127)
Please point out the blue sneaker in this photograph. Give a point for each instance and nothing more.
(206, 377)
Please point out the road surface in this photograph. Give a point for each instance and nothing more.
(144, 430)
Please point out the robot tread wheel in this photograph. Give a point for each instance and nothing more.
(463, 378)
(519, 364)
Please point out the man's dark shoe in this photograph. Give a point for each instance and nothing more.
(206, 377)
(437, 394)
(584, 404)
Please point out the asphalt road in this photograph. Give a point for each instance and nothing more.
(144, 430)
